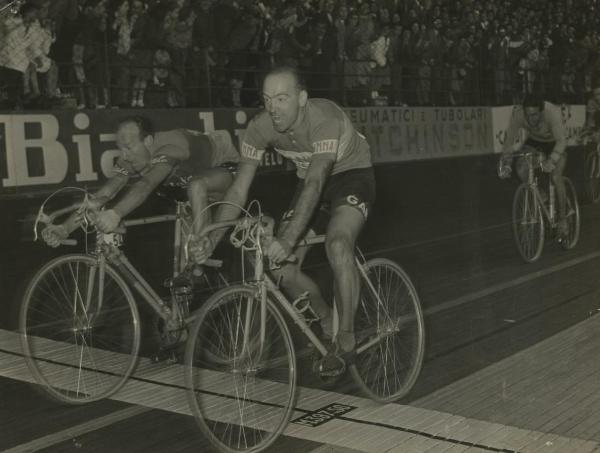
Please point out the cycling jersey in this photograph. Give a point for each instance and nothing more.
(324, 132)
(592, 108)
(551, 127)
(203, 151)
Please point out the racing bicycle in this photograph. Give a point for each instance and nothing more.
(240, 361)
(592, 172)
(535, 210)
(79, 321)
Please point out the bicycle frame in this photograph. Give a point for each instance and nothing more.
(265, 286)
(532, 180)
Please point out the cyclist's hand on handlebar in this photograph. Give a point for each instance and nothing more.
(200, 249)
(54, 234)
(548, 165)
(279, 250)
(107, 221)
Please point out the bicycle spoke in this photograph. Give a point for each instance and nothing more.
(95, 344)
(252, 395)
(389, 329)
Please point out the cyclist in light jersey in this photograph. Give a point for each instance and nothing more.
(333, 163)
(591, 130)
(202, 162)
(546, 131)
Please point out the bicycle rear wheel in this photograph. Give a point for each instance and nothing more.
(80, 329)
(241, 391)
(528, 223)
(389, 319)
(573, 218)
(592, 176)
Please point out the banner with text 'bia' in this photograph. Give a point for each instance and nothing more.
(41, 151)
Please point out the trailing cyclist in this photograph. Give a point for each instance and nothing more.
(204, 163)
(545, 130)
(336, 178)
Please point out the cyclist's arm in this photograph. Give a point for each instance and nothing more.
(237, 194)
(142, 188)
(512, 132)
(162, 164)
(559, 131)
(99, 198)
(316, 177)
(110, 188)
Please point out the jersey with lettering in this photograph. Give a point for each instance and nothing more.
(203, 151)
(324, 133)
(551, 127)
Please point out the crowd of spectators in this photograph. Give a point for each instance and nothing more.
(201, 53)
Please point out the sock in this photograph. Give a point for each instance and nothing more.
(346, 340)
(327, 326)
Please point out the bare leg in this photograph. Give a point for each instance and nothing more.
(344, 227)
(294, 282)
(207, 185)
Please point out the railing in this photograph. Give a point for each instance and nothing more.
(197, 78)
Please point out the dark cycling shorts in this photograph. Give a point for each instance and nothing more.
(543, 147)
(355, 188)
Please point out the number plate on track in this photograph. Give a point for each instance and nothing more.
(323, 415)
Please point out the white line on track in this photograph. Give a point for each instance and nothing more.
(471, 297)
(79, 430)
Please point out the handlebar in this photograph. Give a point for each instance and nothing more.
(245, 229)
(87, 214)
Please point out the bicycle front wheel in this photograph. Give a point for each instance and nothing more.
(592, 176)
(572, 217)
(389, 324)
(240, 374)
(528, 223)
(80, 329)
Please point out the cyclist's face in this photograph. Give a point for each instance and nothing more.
(533, 116)
(133, 148)
(283, 100)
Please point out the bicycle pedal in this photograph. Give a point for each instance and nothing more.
(167, 356)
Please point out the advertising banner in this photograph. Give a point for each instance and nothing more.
(40, 151)
(414, 133)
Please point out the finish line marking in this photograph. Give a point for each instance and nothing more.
(370, 427)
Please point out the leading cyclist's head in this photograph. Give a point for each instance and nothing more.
(135, 135)
(533, 107)
(284, 95)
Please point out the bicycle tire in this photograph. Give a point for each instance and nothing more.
(241, 404)
(387, 370)
(592, 177)
(573, 216)
(98, 341)
(528, 223)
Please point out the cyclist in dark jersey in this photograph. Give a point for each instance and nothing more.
(202, 162)
(333, 163)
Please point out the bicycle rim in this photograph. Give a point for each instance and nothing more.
(592, 177)
(528, 223)
(573, 219)
(79, 346)
(243, 400)
(390, 319)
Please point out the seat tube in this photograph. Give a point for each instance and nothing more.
(551, 196)
(177, 246)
